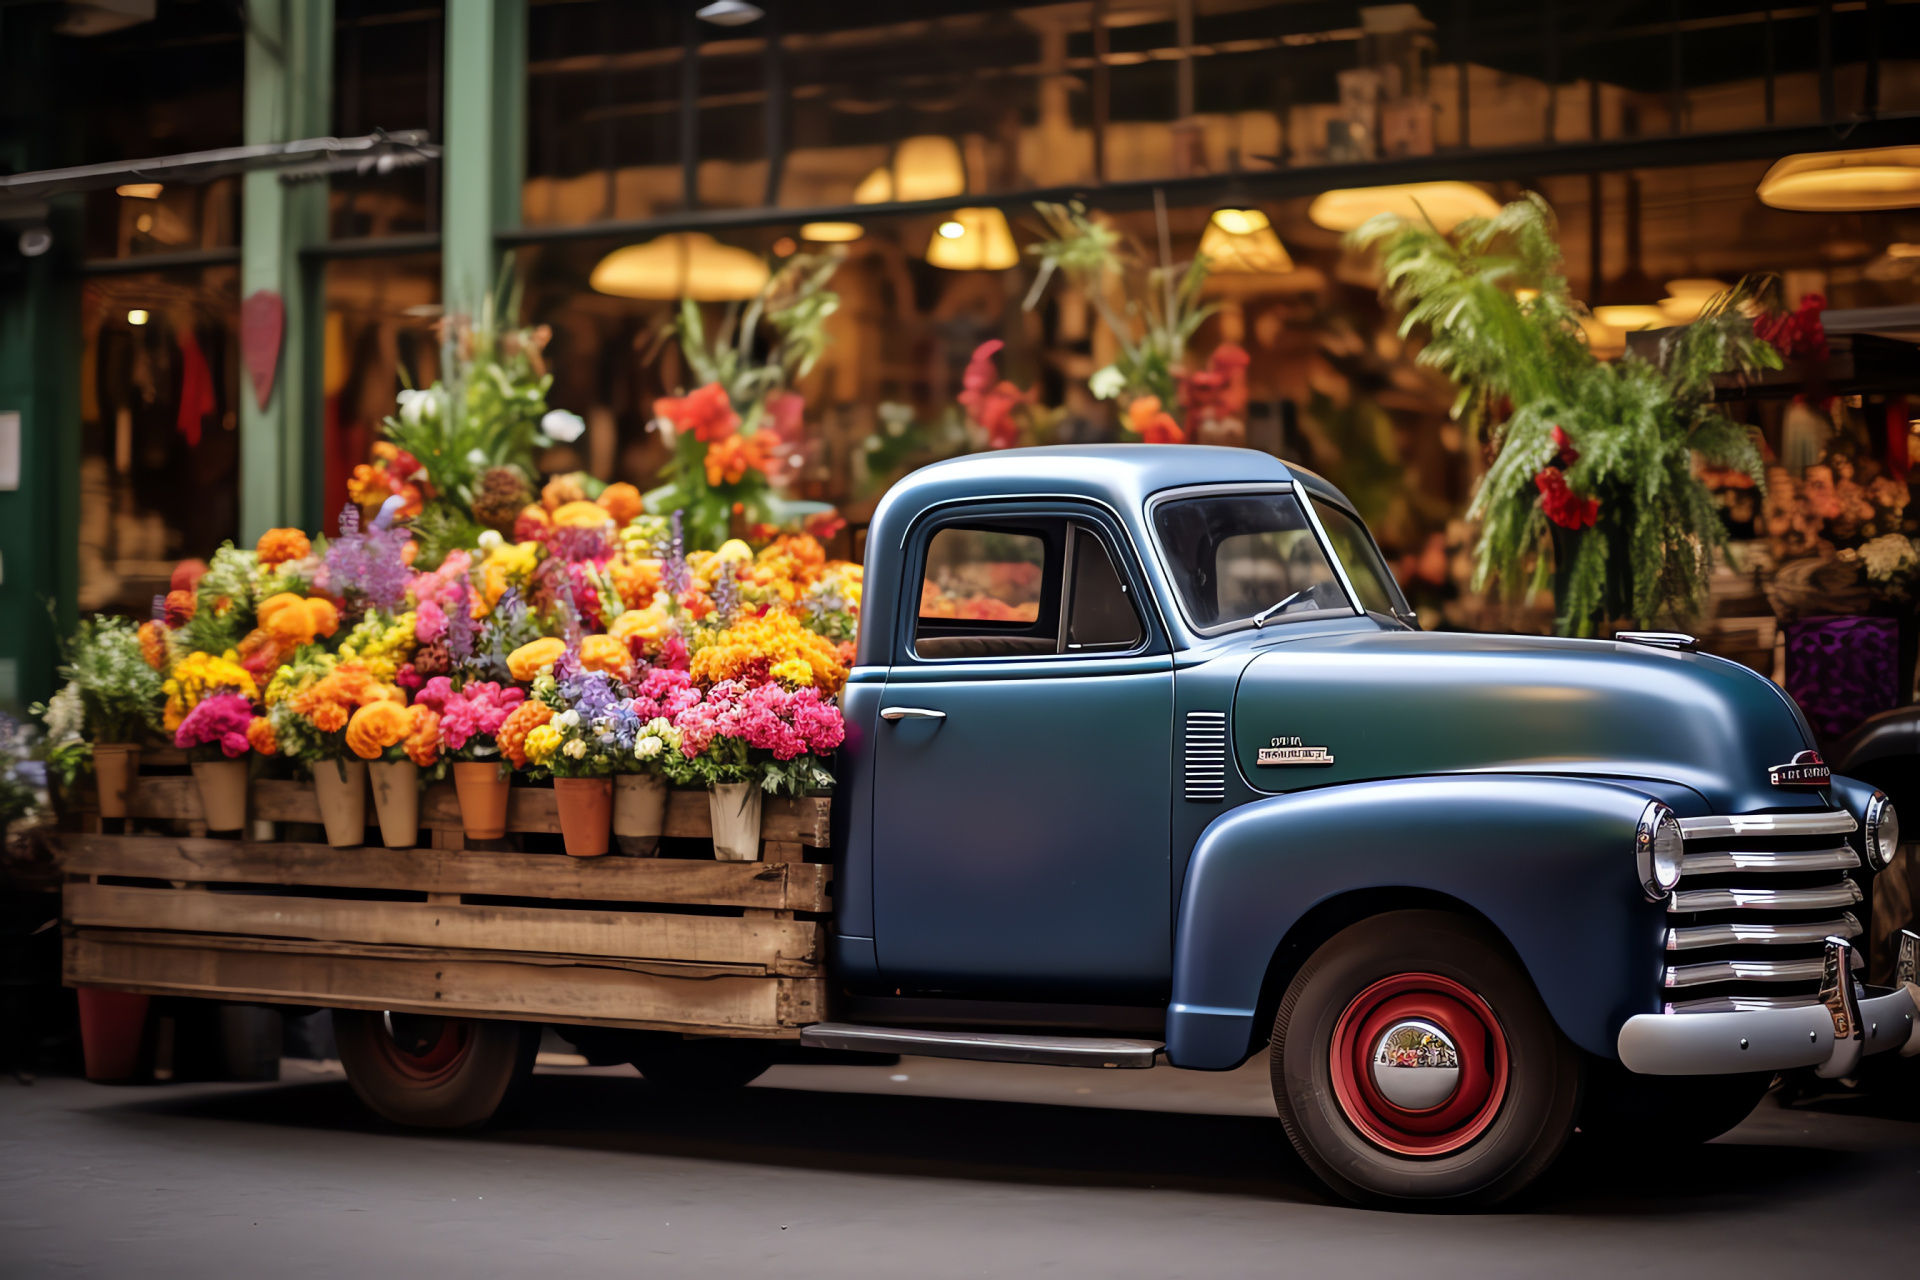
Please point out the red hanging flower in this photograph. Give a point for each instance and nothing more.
(989, 401)
(1563, 506)
(1796, 333)
(706, 412)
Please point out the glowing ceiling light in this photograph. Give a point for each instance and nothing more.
(1242, 242)
(138, 316)
(730, 13)
(926, 167)
(1632, 318)
(832, 232)
(139, 190)
(686, 264)
(1688, 298)
(974, 240)
(1829, 181)
(1446, 204)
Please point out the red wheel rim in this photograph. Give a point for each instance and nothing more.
(1465, 1019)
(424, 1050)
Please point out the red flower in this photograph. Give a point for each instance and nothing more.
(1563, 506)
(990, 405)
(1568, 454)
(1796, 333)
(706, 412)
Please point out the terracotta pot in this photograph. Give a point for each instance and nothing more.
(735, 810)
(483, 798)
(115, 766)
(396, 798)
(639, 813)
(341, 788)
(586, 805)
(111, 1025)
(223, 793)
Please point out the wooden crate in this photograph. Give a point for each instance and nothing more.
(679, 944)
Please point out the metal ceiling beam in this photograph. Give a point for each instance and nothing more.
(301, 158)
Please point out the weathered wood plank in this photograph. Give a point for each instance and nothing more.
(164, 798)
(795, 886)
(276, 800)
(781, 946)
(583, 993)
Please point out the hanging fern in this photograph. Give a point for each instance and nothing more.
(1502, 325)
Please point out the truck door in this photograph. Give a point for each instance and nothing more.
(1023, 766)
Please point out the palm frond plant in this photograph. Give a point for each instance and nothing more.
(1593, 488)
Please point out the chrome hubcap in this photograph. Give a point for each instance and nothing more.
(1416, 1066)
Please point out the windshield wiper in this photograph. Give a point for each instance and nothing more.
(1261, 618)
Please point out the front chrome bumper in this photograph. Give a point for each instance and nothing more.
(1831, 1034)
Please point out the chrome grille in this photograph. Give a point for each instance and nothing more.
(1758, 897)
(1203, 771)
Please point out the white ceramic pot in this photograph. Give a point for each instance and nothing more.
(639, 813)
(735, 809)
(341, 788)
(396, 799)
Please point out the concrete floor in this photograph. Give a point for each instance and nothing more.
(925, 1169)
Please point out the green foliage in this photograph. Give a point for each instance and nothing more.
(1162, 308)
(223, 606)
(1636, 424)
(119, 693)
(68, 754)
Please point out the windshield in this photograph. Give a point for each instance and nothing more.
(1365, 570)
(1234, 556)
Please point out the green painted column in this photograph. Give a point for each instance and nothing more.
(288, 96)
(485, 144)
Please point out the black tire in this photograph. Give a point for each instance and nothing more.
(434, 1073)
(1519, 1079)
(700, 1066)
(1622, 1109)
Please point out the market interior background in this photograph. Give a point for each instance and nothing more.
(1646, 126)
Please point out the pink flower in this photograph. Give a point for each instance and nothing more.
(429, 622)
(438, 586)
(664, 693)
(435, 693)
(221, 718)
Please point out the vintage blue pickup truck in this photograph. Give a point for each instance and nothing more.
(1144, 750)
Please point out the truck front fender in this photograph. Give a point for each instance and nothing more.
(1548, 861)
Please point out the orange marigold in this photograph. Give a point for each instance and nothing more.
(260, 736)
(423, 736)
(295, 621)
(580, 515)
(636, 580)
(622, 502)
(331, 701)
(728, 460)
(514, 729)
(608, 654)
(153, 644)
(561, 490)
(277, 546)
(531, 658)
(375, 727)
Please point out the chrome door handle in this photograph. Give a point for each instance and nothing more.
(911, 713)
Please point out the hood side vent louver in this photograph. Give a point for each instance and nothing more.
(1204, 769)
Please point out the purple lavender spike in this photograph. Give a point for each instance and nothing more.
(159, 607)
(460, 624)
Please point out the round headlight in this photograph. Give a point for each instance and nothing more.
(1883, 831)
(1658, 847)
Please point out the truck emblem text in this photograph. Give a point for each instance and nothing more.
(1284, 750)
(1806, 770)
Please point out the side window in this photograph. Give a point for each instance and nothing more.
(991, 590)
(1100, 615)
(1371, 582)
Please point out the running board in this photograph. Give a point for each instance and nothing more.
(985, 1046)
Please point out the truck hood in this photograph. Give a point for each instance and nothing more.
(1398, 703)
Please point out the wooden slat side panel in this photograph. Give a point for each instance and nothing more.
(799, 886)
(469, 988)
(781, 946)
(285, 801)
(164, 798)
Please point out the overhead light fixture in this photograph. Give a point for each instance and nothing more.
(1843, 181)
(1445, 204)
(686, 264)
(730, 13)
(1688, 298)
(1605, 341)
(925, 167)
(832, 232)
(139, 190)
(973, 240)
(35, 241)
(1632, 319)
(137, 316)
(1242, 242)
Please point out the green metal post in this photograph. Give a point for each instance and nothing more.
(288, 96)
(485, 155)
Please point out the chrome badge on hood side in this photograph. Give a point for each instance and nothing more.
(1289, 751)
(1807, 769)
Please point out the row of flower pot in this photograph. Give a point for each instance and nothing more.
(594, 812)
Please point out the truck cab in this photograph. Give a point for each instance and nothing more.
(1146, 758)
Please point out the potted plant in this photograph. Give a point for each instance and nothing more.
(311, 702)
(744, 742)
(582, 745)
(120, 695)
(209, 710)
(470, 720)
(650, 760)
(395, 743)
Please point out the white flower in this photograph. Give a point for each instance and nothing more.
(568, 719)
(563, 426)
(648, 747)
(490, 540)
(476, 458)
(575, 750)
(66, 715)
(1107, 383)
(415, 405)
(1889, 556)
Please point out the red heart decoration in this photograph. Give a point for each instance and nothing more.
(263, 321)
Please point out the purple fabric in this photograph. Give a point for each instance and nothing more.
(1842, 670)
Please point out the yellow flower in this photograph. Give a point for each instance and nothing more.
(199, 674)
(777, 644)
(794, 671)
(530, 659)
(581, 515)
(509, 565)
(382, 645)
(543, 740)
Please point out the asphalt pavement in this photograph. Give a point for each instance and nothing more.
(923, 1169)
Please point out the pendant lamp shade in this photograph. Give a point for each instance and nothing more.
(1242, 242)
(973, 240)
(1830, 181)
(926, 167)
(1632, 318)
(1446, 204)
(832, 232)
(686, 264)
